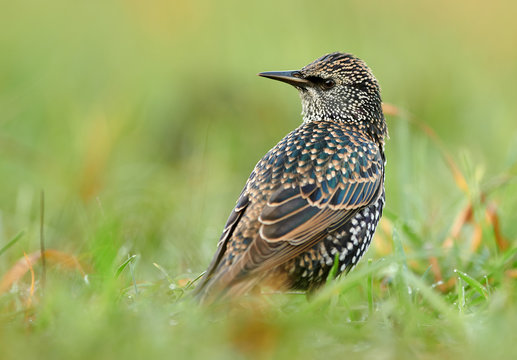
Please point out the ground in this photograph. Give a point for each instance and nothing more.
(139, 124)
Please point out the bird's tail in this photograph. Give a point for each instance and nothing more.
(222, 287)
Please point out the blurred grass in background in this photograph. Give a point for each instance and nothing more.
(141, 122)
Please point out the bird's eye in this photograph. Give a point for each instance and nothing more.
(329, 83)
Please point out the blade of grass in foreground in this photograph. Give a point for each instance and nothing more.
(370, 289)
(333, 271)
(13, 241)
(476, 285)
(431, 296)
(461, 295)
(164, 272)
(124, 265)
(350, 281)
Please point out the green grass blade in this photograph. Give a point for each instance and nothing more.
(132, 271)
(431, 296)
(370, 288)
(13, 241)
(402, 285)
(403, 225)
(506, 257)
(164, 272)
(461, 295)
(476, 285)
(124, 265)
(344, 284)
(192, 282)
(333, 271)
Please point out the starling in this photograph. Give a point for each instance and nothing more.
(317, 196)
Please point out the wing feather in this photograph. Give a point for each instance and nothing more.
(231, 223)
(295, 198)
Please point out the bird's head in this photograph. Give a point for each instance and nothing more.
(338, 87)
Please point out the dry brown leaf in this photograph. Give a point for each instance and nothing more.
(493, 219)
(442, 285)
(477, 237)
(183, 282)
(390, 109)
(22, 266)
(461, 182)
(511, 273)
(465, 216)
(437, 273)
(456, 173)
(33, 280)
(459, 179)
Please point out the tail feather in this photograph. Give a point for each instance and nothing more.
(223, 287)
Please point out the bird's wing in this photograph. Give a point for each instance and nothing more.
(293, 220)
(312, 184)
(330, 186)
(231, 223)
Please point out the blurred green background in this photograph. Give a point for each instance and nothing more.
(141, 121)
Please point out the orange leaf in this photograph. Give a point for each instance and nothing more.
(437, 272)
(465, 216)
(18, 270)
(460, 180)
(443, 285)
(456, 173)
(29, 264)
(511, 273)
(477, 236)
(390, 109)
(493, 219)
(183, 282)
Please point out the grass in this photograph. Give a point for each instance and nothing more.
(140, 123)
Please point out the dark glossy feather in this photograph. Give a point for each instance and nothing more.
(293, 197)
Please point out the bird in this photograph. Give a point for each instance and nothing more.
(314, 200)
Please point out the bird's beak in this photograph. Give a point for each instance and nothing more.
(291, 77)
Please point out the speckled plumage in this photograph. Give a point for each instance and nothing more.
(317, 194)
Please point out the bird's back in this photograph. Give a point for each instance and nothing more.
(319, 192)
